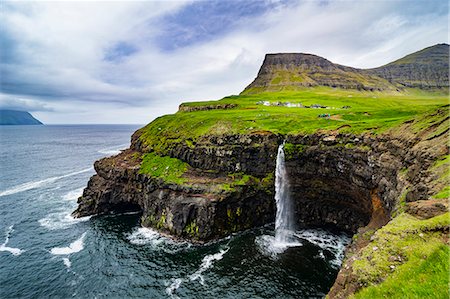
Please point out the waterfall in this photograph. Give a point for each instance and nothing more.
(284, 221)
(285, 236)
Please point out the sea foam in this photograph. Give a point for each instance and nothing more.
(113, 150)
(36, 184)
(12, 250)
(207, 263)
(60, 220)
(74, 247)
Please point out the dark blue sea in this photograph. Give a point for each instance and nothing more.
(45, 253)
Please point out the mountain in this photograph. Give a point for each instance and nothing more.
(427, 68)
(15, 117)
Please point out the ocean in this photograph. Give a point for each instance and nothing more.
(45, 253)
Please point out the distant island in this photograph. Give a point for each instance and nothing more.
(15, 117)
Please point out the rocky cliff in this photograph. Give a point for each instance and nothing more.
(353, 164)
(336, 178)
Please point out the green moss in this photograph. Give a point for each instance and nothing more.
(148, 220)
(189, 143)
(268, 182)
(444, 193)
(443, 161)
(238, 179)
(192, 229)
(292, 150)
(161, 222)
(239, 211)
(405, 248)
(137, 156)
(166, 168)
(229, 215)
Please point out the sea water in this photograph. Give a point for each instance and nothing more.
(44, 252)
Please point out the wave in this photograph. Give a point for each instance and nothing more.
(60, 220)
(73, 195)
(74, 247)
(143, 236)
(113, 150)
(173, 287)
(67, 262)
(12, 250)
(325, 240)
(36, 184)
(207, 263)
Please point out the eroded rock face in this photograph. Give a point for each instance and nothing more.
(195, 212)
(333, 180)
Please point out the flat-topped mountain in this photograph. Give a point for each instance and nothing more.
(15, 117)
(427, 68)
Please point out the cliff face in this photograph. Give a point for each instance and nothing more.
(335, 178)
(428, 68)
(292, 70)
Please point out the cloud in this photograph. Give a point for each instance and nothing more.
(13, 103)
(129, 62)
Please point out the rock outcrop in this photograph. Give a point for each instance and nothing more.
(424, 69)
(335, 178)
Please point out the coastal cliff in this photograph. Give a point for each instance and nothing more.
(362, 151)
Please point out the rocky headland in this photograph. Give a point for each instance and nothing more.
(361, 170)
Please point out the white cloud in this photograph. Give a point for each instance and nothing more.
(61, 47)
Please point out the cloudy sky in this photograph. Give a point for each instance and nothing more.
(131, 61)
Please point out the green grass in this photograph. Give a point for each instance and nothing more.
(444, 193)
(166, 168)
(418, 254)
(424, 279)
(370, 112)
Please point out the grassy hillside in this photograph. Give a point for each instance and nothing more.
(364, 112)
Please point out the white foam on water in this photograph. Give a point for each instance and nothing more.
(270, 246)
(12, 250)
(73, 195)
(144, 236)
(113, 150)
(36, 184)
(67, 262)
(173, 287)
(207, 263)
(74, 247)
(60, 220)
(325, 240)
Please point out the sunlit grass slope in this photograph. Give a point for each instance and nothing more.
(368, 112)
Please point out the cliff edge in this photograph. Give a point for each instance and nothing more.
(366, 152)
